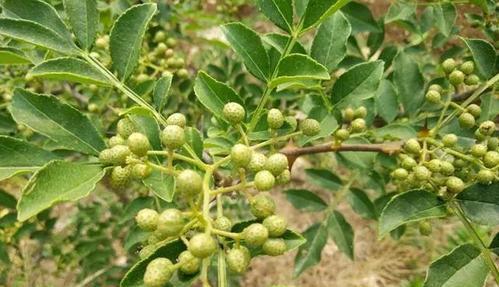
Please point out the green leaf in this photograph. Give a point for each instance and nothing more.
(135, 206)
(36, 34)
(462, 267)
(56, 182)
(147, 125)
(279, 41)
(84, 19)
(37, 11)
(69, 69)
(386, 101)
(194, 139)
(411, 206)
(58, 121)
(126, 37)
(305, 200)
(494, 245)
(319, 10)
(299, 67)
(357, 84)
(409, 82)
(280, 12)
(4, 255)
(361, 204)
(7, 200)
(214, 94)
(309, 253)
(330, 43)
(445, 16)
(161, 89)
(248, 45)
(360, 17)
(19, 156)
(12, 56)
(171, 250)
(396, 131)
(361, 160)
(134, 237)
(341, 232)
(324, 178)
(484, 56)
(161, 184)
(480, 203)
(400, 11)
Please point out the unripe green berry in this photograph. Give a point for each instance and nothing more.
(234, 113)
(158, 272)
(147, 219)
(478, 150)
(125, 127)
(358, 125)
(348, 115)
(449, 65)
(106, 156)
(460, 163)
(173, 137)
(472, 80)
(274, 246)
(159, 36)
(310, 127)
(425, 228)
(360, 112)
(255, 235)
(262, 206)
(222, 223)
(139, 144)
(102, 42)
(264, 180)
(449, 140)
(202, 245)
(487, 128)
(446, 168)
(433, 96)
(116, 140)
(141, 171)
(238, 259)
(276, 225)
(467, 67)
(240, 155)
(456, 78)
(275, 119)
(436, 88)
(342, 134)
(284, 177)
(169, 53)
(479, 136)
(292, 121)
(412, 146)
(409, 163)
(120, 154)
(466, 120)
(491, 159)
(183, 73)
(454, 184)
(120, 177)
(493, 143)
(189, 183)
(485, 176)
(475, 110)
(189, 264)
(141, 78)
(176, 119)
(170, 223)
(422, 173)
(434, 165)
(400, 173)
(276, 163)
(257, 162)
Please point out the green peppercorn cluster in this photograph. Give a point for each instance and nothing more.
(447, 166)
(353, 122)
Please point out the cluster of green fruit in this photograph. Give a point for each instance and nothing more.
(444, 166)
(127, 153)
(353, 122)
(202, 233)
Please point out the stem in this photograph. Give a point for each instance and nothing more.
(387, 148)
(222, 270)
(276, 139)
(478, 241)
(235, 236)
(204, 272)
(177, 156)
(243, 134)
(240, 186)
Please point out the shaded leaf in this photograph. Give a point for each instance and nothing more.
(494, 245)
(361, 204)
(305, 200)
(386, 101)
(161, 89)
(280, 12)
(324, 178)
(135, 206)
(409, 82)
(161, 184)
(84, 19)
(341, 232)
(484, 56)
(445, 15)
(7, 200)
(299, 67)
(12, 56)
(309, 253)
(480, 203)
(360, 17)
(319, 10)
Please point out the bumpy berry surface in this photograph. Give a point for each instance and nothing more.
(491, 159)
(472, 80)
(240, 155)
(466, 120)
(475, 110)
(141, 171)
(264, 180)
(348, 114)
(125, 127)
(485, 176)
(433, 96)
(158, 272)
(449, 140)
(400, 173)
(262, 206)
(276, 225)
(487, 128)
(274, 246)
(202, 245)
(276, 163)
(275, 119)
(234, 113)
(255, 235)
(425, 228)
(422, 173)
(358, 125)
(147, 219)
(454, 184)
(173, 136)
(189, 264)
(176, 119)
(238, 259)
(116, 140)
(189, 183)
(310, 127)
(257, 162)
(449, 65)
(284, 177)
(478, 150)
(360, 112)
(170, 222)
(467, 67)
(120, 177)
(342, 134)
(223, 223)
(139, 144)
(456, 78)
